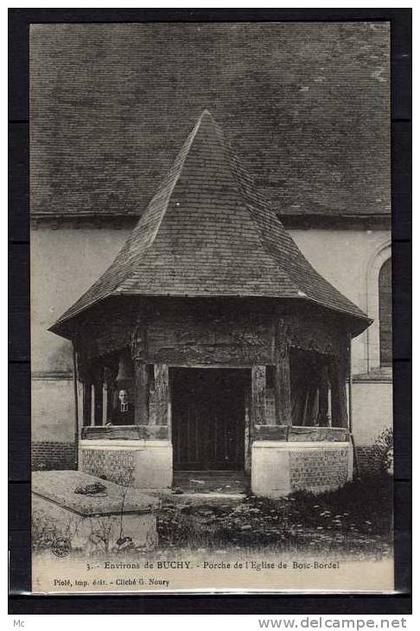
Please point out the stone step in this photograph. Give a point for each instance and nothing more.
(211, 481)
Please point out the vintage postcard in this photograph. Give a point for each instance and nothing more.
(211, 307)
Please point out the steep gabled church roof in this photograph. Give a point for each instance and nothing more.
(207, 233)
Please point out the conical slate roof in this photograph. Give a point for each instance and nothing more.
(208, 233)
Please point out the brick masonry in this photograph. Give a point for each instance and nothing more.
(308, 469)
(318, 470)
(117, 464)
(49, 455)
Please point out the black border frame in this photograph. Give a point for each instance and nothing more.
(20, 600)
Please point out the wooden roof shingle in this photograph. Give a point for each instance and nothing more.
(207, 232)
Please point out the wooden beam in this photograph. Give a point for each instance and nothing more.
(98, 392)
(282, 394)
(104, 404)
(343, 371)
(87, 403)
(338, 393)
(109, 402)
(110, 374)
(258, 388)
(141, 393)
(323, 397)
(126, 432)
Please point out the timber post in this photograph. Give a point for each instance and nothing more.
(160, 394)
(338, 392)
(141, 393)
(258, 391)
(282, 394)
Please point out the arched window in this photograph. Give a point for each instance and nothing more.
(385, 313)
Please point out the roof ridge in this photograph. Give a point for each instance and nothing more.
(173, 179)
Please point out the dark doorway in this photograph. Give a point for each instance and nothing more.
(208, 418)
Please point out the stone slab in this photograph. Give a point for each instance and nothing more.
(59, 487)
(92, 534)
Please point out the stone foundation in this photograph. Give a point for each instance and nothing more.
(280, 468)
(136, 463)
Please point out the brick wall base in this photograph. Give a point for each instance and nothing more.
(319, 470)
(48, 456)
(279, 468)
(115, 465)
(138, 463)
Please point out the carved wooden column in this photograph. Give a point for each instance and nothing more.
(141, 376)
(282, 394)
(141, 393)
(161, 395)
(258, 388)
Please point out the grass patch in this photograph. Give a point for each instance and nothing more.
(354, 520)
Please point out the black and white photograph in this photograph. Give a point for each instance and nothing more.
(211, 307)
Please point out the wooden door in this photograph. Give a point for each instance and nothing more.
(208, 424)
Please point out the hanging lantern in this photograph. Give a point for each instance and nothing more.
(124, 370)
